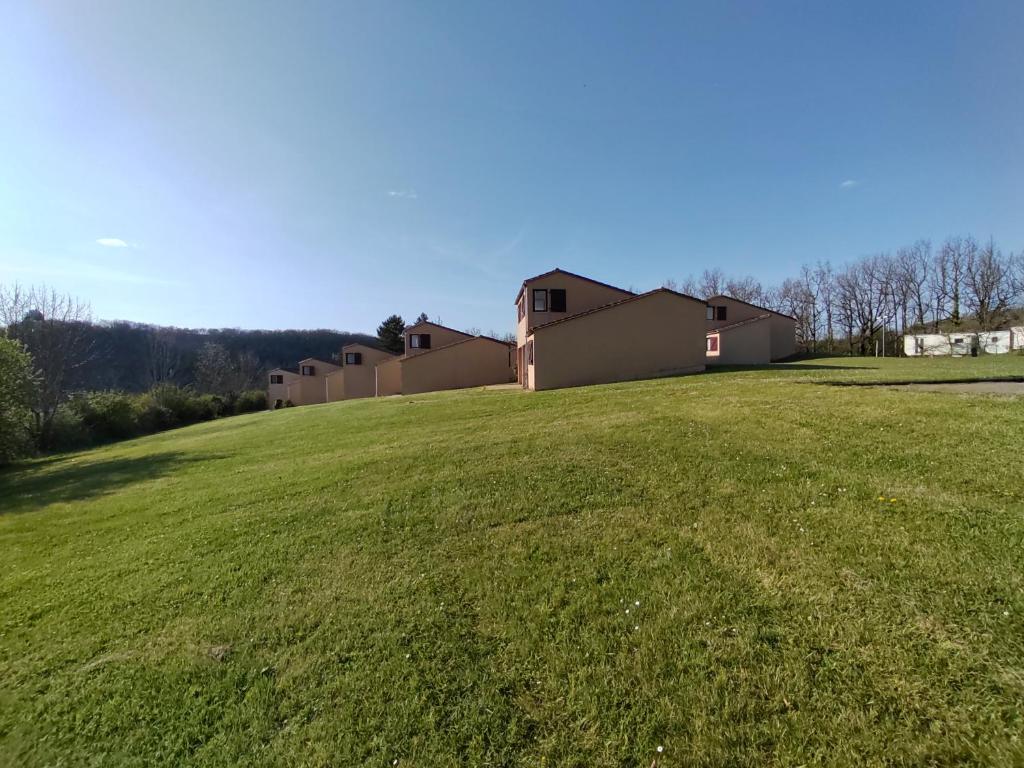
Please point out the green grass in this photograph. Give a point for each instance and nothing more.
(444, 580)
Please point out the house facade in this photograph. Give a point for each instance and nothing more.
(357, 376)
(574, 331)
(740, 333)
(438, 358)
(310, 386)
(277, 388)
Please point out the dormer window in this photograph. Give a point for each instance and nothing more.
(353, 358)
(419, 341)
(308, 370)
(540, 299)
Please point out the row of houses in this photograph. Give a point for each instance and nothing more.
(571, 331)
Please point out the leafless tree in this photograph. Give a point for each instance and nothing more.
(163, 358)
(712, 283)
(914, 264)
(825, 281)
(54, 328)
(988, 285)
(218, 372)
(746, 289)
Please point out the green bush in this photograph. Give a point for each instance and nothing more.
(68, 431)
(106, 416)
(251, 400)
(17, 392)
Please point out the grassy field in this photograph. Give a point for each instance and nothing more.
(741, 568)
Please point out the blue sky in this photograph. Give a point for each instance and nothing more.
(325, 164)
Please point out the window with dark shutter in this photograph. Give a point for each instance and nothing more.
(359, 358)
(424, 341)
(276, 379)
(720, 313)
(308, 370)
(558, 299)
(540, 300)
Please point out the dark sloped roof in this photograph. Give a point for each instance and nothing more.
(559, 271)
(505, 344)
(747, 303)
(436, 325)
(737, 324)
(633, 297)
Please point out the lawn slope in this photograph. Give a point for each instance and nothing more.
(744, 568)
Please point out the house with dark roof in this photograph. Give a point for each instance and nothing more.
(740, 333)
(439, 358)
(573, 330)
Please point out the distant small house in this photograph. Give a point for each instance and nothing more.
(357, 376)
(277, 389)
(961, 343)
(438, 358)
(740, 333)
(310, 386)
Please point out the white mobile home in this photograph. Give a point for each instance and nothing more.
(963, 343)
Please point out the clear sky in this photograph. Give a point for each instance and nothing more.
(307, 164)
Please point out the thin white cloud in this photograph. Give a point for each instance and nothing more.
(405, 194)
(112, 242)
(849, 184)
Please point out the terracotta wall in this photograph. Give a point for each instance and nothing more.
(361, 380)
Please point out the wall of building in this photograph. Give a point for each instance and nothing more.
(783, 337)
(580, 296)
(335, 383)
(389, 377)
(439, 337)
(473, 363)
(277, 392)
(361, 380)
(660, 334)
(961, 344)
(735, 311)
(748, 344)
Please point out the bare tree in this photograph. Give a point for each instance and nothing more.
(825, 281)
(914, 263)
(746, 289)
(712, 283)
(163, 357)
(54, 328)
(218, 372)
(988, 285)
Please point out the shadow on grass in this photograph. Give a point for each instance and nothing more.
(793, 366)
(907, 382)
(54, 480)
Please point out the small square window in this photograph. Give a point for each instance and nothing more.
(540, 300)
(308, 370)
(276, 378)
(353, 358)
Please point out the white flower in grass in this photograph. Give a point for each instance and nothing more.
(660, 749)
(637, 603)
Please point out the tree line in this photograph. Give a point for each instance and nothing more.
(851, 308)
(70, 381)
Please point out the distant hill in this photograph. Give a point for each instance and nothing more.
(122, 352)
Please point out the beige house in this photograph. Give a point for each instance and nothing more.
(573, 331)
(357, 376)
(739, 333)
(306, 387)
(438, 358)
(277, 388)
